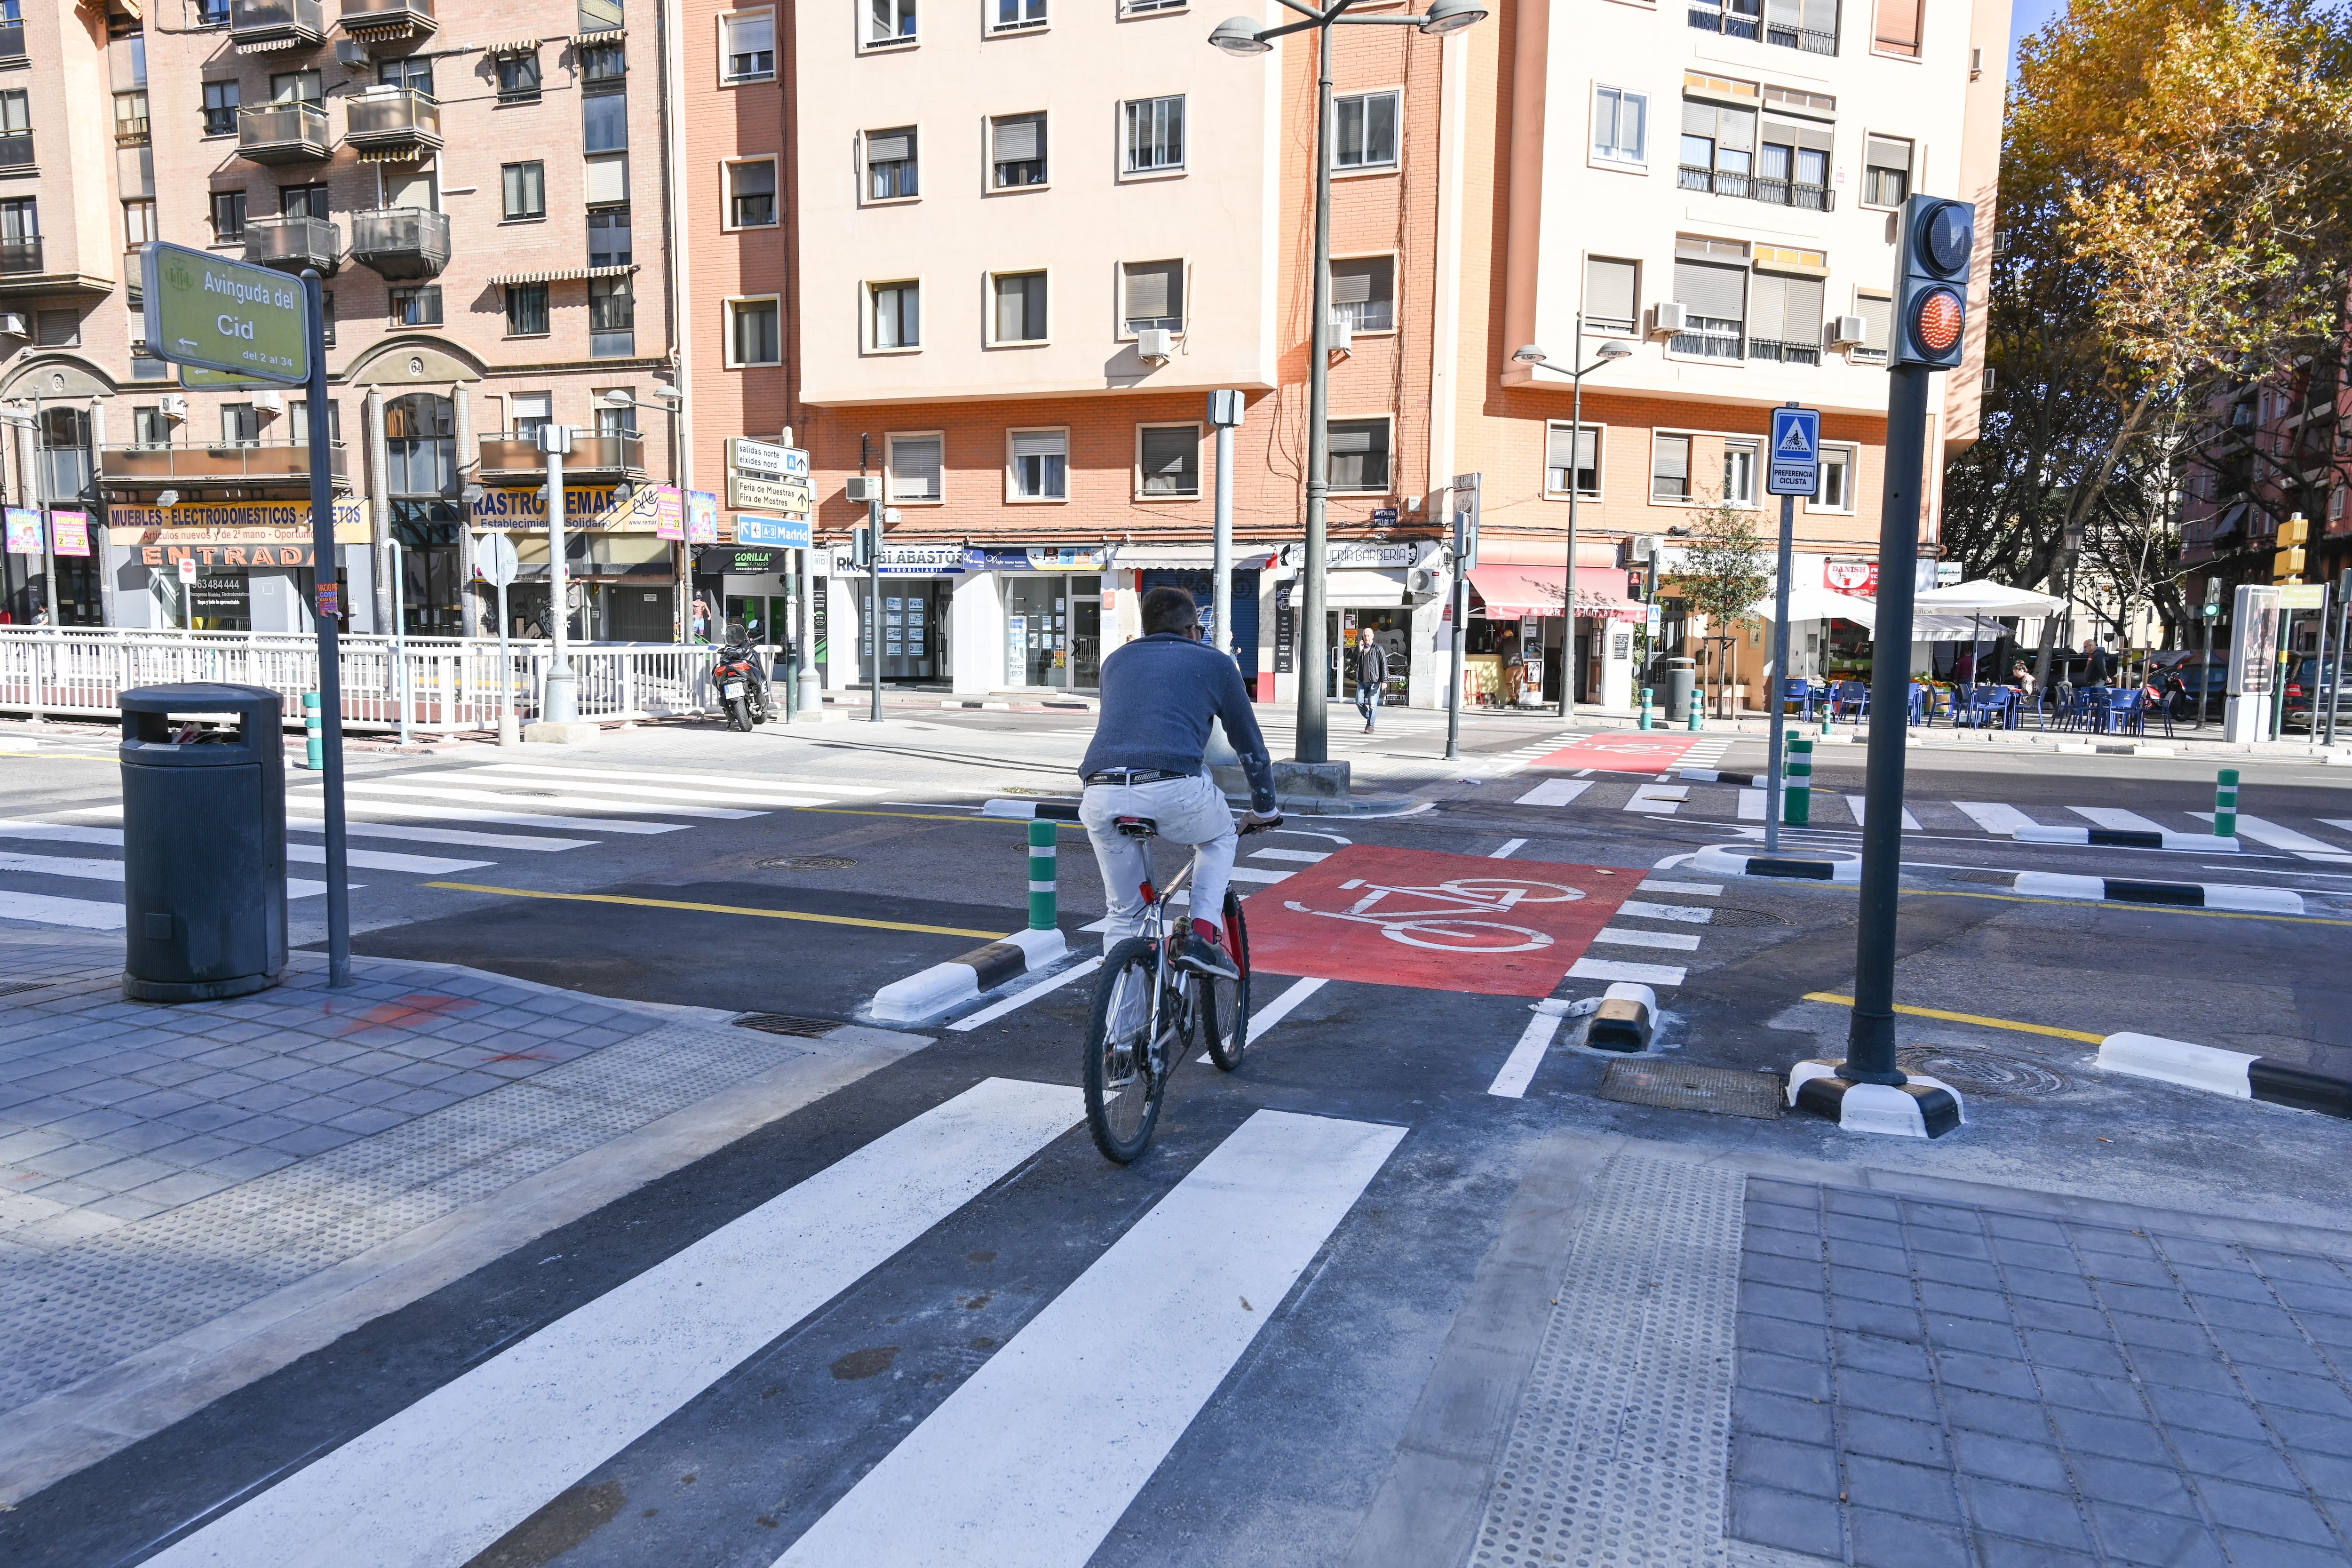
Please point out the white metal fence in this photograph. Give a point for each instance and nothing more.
(450, 684)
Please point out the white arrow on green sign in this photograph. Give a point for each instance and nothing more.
(225, 315)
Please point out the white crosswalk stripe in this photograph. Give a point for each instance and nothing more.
(1658, 799)
(2115, 817)
(2262, 831)
(1993, 817)
(1555, 792)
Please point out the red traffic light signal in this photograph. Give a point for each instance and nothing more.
(1931, 282)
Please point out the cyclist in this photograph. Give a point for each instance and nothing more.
(1160, 694)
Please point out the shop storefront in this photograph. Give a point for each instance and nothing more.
(1393, 591)
(1524, 648)
(967, 618)
(621, 573)
(253, 560)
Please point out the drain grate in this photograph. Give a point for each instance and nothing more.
(1673, 1087)
(1732, 917)
(1984, 1072)
(785, 1023)
(808, 863)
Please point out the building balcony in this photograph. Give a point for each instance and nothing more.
(25, 269)
(12, 42)
(1757, 188)
(293, 133)
(1784, 352)
(291, 244)
(401, 242)
(254, 25)
(387, 21)
(279, 468)
(398, 120)
(1811, 40)
(517, 460)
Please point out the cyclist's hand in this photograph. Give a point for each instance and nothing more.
(1252, 822)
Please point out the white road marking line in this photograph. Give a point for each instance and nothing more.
(1751, 805)
(419, 811)
(1993, 817)
(1689, 914)
(1555, 792)
(1252, 874)
(1031, 1462)
(86, 914)
(1520, 1066)
(1639, 974)
(1281, 1007)
(1510, 847)
(2115, 817)
(1022, 998)
(441, 1480)
(1663, 799)
(60, 832)
(440, 835)
(500, 778)
(372, 787)
(1854, 804)
(2287, 838)
(1304, 856)
(724, 781)
(1619, 936)
(384, 860)
(1703, 890)
(89, 871)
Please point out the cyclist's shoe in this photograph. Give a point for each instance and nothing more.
(1203, 953)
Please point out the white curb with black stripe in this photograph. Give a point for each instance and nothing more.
(2238, 1075)
(2127, 838)
(966, 977)
(1724, 862)
(2169, 895)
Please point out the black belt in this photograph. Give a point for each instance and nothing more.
(1134, 776)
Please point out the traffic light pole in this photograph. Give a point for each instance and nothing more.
(1870, 1036)
(874, 602)
(326, 607)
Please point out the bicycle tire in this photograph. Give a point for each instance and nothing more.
(1226, 1023)
(1121, 1113)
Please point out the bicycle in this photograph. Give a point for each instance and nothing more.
(1146, 1011)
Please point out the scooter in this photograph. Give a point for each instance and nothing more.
(742, 685)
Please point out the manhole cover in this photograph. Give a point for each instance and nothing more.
(785, 1023)
(1673, 1087)
(1730, 917)
(808, 863)
(1984, 1072)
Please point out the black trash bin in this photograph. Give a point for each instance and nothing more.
(204, 842)
(1682, 675)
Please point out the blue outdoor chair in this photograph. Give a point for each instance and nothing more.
(1798, 690)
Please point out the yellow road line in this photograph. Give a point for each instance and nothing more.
(2125, 904)
(719, 909)
(1977, 1018)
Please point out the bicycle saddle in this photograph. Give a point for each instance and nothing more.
(1136, 827)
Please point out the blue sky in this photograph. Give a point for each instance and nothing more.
(2027, 16)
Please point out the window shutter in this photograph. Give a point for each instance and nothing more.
(1574, 455)
(751, 35)
(1671, 459)
(1821, 17)
(1768, 301)
(1886, 154)
(1039, 443)
(1153, 289)
(1738, 130)
(890, 146)
(1807, 303)
(608, 179)
(1352, 281)
(1712, 291)
(1167, 460)
(58, 328)
(1815, 137)
(754, 179)
(1876, 310)
(1698, 119)
(1898, 25)
(1351, 442)
(1609, 288)
(1018, 141)
(1783, 13)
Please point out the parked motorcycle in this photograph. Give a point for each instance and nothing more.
(742, 684)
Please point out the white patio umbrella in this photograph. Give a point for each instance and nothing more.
(1981, 598)
(1818, 605)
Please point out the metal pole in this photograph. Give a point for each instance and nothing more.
(2278, 673)
(2205, 671)
(326, 603)
(1777, 688)
(506, 676)
(1314, 719)
(562, 705)
(41, 503)
(1870, 1038)
(1220, 550)
(873, 604)
(1568, 611)
(1460, 605)
(400, 636)
(2343, 621)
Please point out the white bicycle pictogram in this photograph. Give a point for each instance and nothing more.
(1451, 926)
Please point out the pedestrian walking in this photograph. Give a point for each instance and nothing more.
(702, 618)
(2098, 666)
(1372, 676)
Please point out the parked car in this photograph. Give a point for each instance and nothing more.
(2308, 680)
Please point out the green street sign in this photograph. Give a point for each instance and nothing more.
(195, 378)
(225, 315)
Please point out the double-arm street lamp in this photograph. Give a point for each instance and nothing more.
(1243, 35)
(1534, 358)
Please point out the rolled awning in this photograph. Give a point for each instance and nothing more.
(1513, 593)
(567, 275)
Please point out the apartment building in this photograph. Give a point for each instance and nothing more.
(2269, 448)
(484, 188)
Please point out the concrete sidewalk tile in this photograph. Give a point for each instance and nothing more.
(2062, 1290)
(60, 1079)
(2156, 1486)
(29, 1143)
(2303, 1429)
(2010, 1457)
(2229, 1317)
(205, 1117)
(2076, 1352)
(1778, 1415)
(1864, 1285)
(68, 1160)
(2111, 1241)
(1800, 1467)
(126, 1208)
(1920, 1491)
(233, 1056)
(367, 1120)
(2331, 1478)
(1802, 1245)
(183, 1186)
(167, 1073)
(1892, 1540)
(2234, 1284)
(2332, 1297)
(2119, 1296)
(2244, 1546)
(1884, 1233)
(2023, 1252)
(1998, 1414)
(2005, 1375)
(1880, 1352)
(2329, 1329)
(2135, 1535)
(2115, 1397)
(1960, 1301)
(1948, 1333)
(40, 1112)
(1782, 1374)
(2286, 1515)
(2188, 1336)
(126, 1176)
(140, 1136)
(1910, 1397)
(1857, 1201)
(247, 1163)
(2303, 1267)
(2061, 1317)
(2085, 1432)
(421, 1075)
(2025, 1227)
(1783, 1337)
(1949, 1243)
(314, 1140)
(1892, 1437)
(1935, 1215)
(1771, 1517)
(221, 1085)
(1886, 1321)
(1969, 1272)
(316, 1109)
(277, 1069)
(2211, 1455)
(2273, 1389)
(258, 1129)
(1847, 1253)
(2204, 1373)
(373, 1091)
(327, 1053)
(2046, 1518)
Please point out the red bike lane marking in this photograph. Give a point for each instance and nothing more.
(1620, 753)
(1358, 915)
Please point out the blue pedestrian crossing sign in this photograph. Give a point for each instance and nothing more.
(1796, 466)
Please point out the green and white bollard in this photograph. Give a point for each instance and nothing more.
(2225, 805)
(1043, 847)
(1694, 711)
(313, 757)
(1647, 692)
(1797, 784)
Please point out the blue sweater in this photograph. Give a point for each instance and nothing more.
(1159, 694)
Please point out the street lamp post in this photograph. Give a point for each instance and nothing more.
(1243, 35)
(1533, 357)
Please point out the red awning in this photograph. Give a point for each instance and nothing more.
(1515, 593)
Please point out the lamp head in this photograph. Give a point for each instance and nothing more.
(1615, 348)
(1445, 16)
(667, 393)
(618, 399)
(1238, 35)
(1528, 354)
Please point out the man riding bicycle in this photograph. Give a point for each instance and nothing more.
(1160, 694)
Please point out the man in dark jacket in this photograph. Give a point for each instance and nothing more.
(1372, 676)
(1159, 695)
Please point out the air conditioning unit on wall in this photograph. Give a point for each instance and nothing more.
(1850, 330)
(175, 404)
(1155, 345)
(16, 325)
(1668, 317)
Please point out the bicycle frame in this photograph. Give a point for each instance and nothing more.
(1155, 927)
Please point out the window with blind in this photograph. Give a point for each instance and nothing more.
(1669, 468)
(890, 165)
(1886, 171)
(890, 22)
(1718, 147)
(220, 108)
(525, 188)
(16, 128)
(1364, 130)
(1793, 166)
(751, 194)
(1621, 125)
(752, 336)
(1876, 310)
(1837, 480)
(1016, 151)
(1572, 452)
(1810, 25)
(1169, 457)
(1785, 317)
(748, 46)
(58, 329)
(1018, 16)
(913, 468)
(1153, 295)
(1155, 134)
(1612, 294)
(1739, 473)
(1711, 281)
(897, 315)
(1897, 27)
(1363, 293)
(525, 310)
(1019, 316)
(1360, 455)
(1041, 465)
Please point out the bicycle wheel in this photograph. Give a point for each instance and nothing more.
(1227, 1024)
(1127, 1064)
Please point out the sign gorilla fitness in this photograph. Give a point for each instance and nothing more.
(225, 315)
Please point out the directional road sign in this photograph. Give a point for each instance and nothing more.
(791, 533)
(1796, 467)
(225, 315)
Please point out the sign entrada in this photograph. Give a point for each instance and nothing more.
(206, 309)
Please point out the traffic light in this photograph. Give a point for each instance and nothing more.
(2286, 561)
(861, 548)
(1931, 282)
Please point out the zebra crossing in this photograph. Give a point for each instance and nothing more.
(430, 822)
